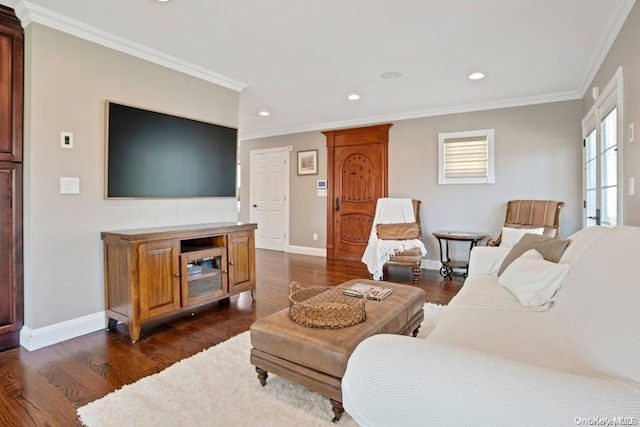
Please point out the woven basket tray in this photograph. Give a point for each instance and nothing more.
(325, 307)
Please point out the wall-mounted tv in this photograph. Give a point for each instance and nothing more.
(156, 155)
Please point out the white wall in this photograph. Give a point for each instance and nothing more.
(538, 153)
(624, 52)
(67, 82)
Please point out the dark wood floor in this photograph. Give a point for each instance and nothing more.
(46, 386)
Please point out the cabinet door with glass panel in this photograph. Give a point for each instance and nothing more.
(203, 275)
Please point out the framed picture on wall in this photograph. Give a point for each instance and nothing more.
(308, 162)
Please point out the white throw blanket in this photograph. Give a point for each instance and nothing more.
(378, 252)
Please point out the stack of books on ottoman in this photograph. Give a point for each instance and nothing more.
(376, 293)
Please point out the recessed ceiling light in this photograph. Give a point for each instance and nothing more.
(476, 76)
(163, 1)
(391, 75)
(353, 97)
(264, 113)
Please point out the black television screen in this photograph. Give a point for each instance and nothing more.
(151, 154)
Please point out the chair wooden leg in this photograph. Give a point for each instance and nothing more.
(416, 274)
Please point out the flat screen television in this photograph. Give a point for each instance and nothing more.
(156, 155)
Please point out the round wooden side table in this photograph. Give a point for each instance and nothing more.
(444, 238)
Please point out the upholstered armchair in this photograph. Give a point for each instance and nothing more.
(411, 258)
(395, 238)
(532, 214)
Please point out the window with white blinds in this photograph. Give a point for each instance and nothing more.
(466, 157)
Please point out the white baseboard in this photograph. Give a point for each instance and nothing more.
(431, 264)
(304, 250)
(33, 339)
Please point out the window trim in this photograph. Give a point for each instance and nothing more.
(488, 134)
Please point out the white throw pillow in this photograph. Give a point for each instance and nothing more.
(532, 279)
(511, 236)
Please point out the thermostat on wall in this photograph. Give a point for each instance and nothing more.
(322, 183)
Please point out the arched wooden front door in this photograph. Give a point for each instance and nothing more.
(357, 178)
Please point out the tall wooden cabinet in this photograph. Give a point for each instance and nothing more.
(152, 273)
(11, 107)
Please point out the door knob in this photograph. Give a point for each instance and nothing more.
(596, 217)
(337, 205)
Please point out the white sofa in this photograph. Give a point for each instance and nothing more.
(491, 361)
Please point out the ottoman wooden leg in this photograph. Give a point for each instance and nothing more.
(415, 331)
(338, 410)
(262, 376)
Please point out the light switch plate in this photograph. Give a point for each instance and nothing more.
(322, 193)
(66, 140)
(631, 133)
(69, 185)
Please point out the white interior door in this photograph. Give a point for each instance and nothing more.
(603, 157)
(269, 197)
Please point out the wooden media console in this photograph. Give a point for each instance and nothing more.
(152, 273)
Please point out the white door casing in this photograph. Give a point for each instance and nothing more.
(603, 142)
(269, 197)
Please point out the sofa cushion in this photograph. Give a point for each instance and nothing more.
(551, 249)
(598, 305)
(483, 291)
(526, 336)
(512, 235)
(580, 240)
(533, 280)
(486, 260)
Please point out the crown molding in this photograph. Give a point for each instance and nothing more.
(468, 108)
(29, 12)
(607, 38)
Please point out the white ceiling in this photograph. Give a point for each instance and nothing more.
(300, 59)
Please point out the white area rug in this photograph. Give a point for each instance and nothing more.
(219, 387)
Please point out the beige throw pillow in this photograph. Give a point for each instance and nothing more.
(551, 249)
(400, 231)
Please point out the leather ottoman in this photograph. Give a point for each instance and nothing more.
(317, 358)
